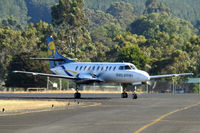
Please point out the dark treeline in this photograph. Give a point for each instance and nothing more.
(35, 10)
(153, 38)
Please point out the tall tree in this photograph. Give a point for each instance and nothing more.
(21, 62)
(155, 6)
(128, 50)
(15, 8)
(123, 12)
(151, 24)
(68, 16)
(39, 10)
(98, 18)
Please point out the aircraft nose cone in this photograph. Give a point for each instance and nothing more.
(145, 76)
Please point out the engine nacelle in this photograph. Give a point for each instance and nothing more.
(85, 76)
(142, 83)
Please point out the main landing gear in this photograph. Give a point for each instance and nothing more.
(134, 95)
(124, 93)
(77, 95)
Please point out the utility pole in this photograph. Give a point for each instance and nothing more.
(199, 86)
(173, 80)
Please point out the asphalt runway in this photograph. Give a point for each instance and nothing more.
(150, 113)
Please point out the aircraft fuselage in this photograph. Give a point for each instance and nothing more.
(106, 72)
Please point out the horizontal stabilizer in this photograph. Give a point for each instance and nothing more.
(48, 59)
(170, 75)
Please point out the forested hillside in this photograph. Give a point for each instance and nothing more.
(156, 36)
(35, 10)
(186, 9)
(16, 8)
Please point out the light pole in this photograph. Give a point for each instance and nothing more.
(47, 83)
(173, 80)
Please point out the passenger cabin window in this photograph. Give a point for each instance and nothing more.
(81, 68)
(110, 68)
(93, 68)
(89, 67)
(121, 68)
(106, 68)
(76, 67)
(98, 68)
(102, 68)
(114, 68)
(85, 68)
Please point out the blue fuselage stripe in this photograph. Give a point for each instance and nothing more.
(66, 71)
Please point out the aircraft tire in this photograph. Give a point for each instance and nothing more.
(77, 95)
(124, 95)
(134, 96)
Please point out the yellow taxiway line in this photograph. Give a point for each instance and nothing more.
(163, 116)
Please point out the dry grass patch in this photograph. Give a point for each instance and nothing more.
(16, 105)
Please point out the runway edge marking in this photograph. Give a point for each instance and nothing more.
(165, 115)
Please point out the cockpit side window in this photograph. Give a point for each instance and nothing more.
(127, 67)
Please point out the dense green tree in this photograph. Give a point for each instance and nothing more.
(39, 10)
(192, 48)
(184, 9)
(98, 18)
(197, 25)
(21, 62)
(151, 24)
(153, 6)
(123, 12)
(128, 50)
(177, 62)
(10, 22)
(101, 52)
(35, 10)
(15, 8)
(105, 35)
(14, 42)
(69, 13)
(72, 36)
(132, 53)
(10, 43)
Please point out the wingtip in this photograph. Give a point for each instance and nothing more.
(14, 71)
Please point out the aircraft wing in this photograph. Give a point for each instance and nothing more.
(169, 75)
(45, 74)
(80, 80)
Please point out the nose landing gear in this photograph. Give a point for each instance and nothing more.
(124, 93)
(77, 95)
(134, 95)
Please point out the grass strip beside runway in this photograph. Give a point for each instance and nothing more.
(25, 105)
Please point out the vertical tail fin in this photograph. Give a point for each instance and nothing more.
(53, 54)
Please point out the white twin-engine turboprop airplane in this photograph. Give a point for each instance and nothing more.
(88, 72)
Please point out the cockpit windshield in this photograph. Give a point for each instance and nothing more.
(128, 67)
(133, 67)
